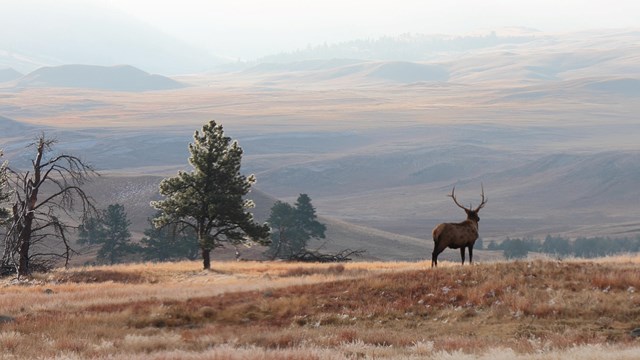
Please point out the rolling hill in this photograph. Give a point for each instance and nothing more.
(112, 78)
(9, 74)
(549, 127)
(12, 127)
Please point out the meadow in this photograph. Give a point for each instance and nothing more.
(539, 309)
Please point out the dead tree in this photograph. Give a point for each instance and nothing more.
(315, 256)
(47, 202)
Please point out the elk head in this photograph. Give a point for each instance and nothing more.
(472, 214)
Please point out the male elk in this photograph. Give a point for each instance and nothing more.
(457, 235)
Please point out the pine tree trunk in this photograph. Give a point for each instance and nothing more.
(206, 258)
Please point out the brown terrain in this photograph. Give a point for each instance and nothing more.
(548, 127)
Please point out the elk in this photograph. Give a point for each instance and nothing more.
(457, 235)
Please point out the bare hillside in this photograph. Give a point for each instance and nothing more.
(547, 124)
(114, 78)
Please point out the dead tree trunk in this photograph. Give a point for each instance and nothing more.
(36, 215)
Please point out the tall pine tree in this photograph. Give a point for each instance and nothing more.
(209, 198)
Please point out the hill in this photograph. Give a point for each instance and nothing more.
(549, 126)
(343, 72)
(9, 74)
(112, 78)
(243, 310)
(12, 127)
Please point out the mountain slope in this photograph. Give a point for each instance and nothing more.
(9, 74)
(114, 78)
(10, 127)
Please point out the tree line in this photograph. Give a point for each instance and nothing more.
(44, 207)
(561, 247)
(291, 228)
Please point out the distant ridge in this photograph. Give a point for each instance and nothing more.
(114, 78)
(10, 127)
(619, 86)
(9, 74)
(409, 72)
(354, 71)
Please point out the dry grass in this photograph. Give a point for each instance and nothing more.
(539, 309)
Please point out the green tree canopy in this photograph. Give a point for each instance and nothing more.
(110, 228)
(557, 246)
(210, 198)
(292, 227)
(515, 249)
(167, 243)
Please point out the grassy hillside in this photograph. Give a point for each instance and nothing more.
(549, 127)
(136, 192)
(250, 310)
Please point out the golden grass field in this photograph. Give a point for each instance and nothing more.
(538, 309)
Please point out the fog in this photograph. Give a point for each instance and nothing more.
(254, 28)
(249, 29)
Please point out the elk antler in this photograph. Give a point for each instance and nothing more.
(453, 196)
(483, 202)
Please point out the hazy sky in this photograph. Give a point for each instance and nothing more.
(250, 28)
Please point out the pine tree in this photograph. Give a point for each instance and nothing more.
(90, 231)
(110, 229)
(116, 240)
(166, 243)
(284, 234)
(292, 227)
(209, 199)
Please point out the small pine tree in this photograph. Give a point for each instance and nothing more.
(557, 246)
(515, 249)
(292, 227)
(90, 232)
(110, 228)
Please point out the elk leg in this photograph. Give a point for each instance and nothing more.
(437, 249)
(462, 254)
(470, 254)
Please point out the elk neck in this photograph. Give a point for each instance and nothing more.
(472, 223)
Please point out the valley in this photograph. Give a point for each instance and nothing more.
(377, 148)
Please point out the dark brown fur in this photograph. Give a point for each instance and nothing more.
(457, 235)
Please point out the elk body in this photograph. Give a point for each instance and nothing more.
(457, 235)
